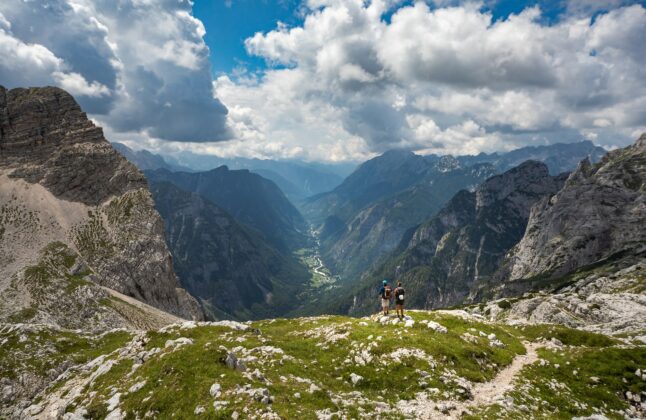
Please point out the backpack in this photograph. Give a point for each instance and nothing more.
(399, 294)
(387, 292)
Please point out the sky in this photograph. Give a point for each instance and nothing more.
(338, 80)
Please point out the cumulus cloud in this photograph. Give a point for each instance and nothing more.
(444, 79)
(135, 66)
(354, 78)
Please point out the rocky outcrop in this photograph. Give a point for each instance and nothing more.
(600, 211)
(609, 298)
(62, 182)
(46, 138)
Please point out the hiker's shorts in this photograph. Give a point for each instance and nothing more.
(385, 303)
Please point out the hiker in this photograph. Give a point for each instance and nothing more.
(399, 300)
(385, 293)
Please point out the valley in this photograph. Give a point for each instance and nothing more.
(122, 289)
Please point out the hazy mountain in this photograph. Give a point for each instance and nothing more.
(206, 162)
(448, 258)
(145, 160)
(385, 175)
(377, 229)
(559, 157)
(247, 197)
(229, 267)
(297, 179)
(74, 214)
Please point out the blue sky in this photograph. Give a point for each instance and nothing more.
(228, 24)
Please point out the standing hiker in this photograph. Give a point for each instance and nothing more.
(399, 300)
(385, 293)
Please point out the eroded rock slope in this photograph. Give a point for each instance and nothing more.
(75, 214)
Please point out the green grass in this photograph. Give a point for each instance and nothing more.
(575, 382)
(568, 336)
(191, 370)
(23, 315)
(590, 372)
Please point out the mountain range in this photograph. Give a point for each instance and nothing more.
(298, 180)
(366, 217)
(517, 232)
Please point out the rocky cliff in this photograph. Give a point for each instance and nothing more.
(601, 211)
(65, 190)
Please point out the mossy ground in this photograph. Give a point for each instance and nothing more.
(328, 363)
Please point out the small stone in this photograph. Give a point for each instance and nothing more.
(114, 401)
(355, 379)
(215, 390)
(136, 387)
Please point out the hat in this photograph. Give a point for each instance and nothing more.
(385, 281)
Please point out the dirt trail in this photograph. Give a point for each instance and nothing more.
(483, 393)
(487, 392)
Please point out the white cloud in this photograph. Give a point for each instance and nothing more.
(76, 84)
(444, 80)
(348, 82)
(137, 66)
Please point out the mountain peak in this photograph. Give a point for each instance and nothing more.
(641, 141)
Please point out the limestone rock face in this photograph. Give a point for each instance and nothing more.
(61, 181)
(601, 211)
(45, 137)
